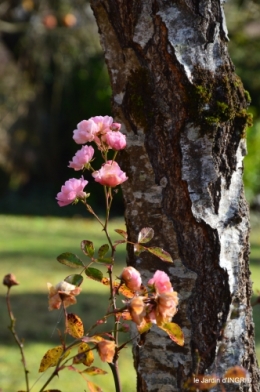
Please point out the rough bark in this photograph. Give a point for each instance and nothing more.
(183, 110)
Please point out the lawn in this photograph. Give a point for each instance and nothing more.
(28, 248)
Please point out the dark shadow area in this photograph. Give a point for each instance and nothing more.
(35, 323)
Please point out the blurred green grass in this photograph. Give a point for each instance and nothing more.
(28, 248)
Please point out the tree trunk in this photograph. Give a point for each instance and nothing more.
(183, 110)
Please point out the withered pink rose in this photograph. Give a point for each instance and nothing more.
(166, 307)
(160, 282)
(131, 278)
(82, 156)
(115, 140)
(110, 174)
(62, 292)
(137, 309)
(106, 350)
(71, 190)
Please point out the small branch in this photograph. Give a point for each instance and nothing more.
(16, 338)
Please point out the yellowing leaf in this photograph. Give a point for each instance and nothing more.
(126, 291)
(93, 387)
(105, 281)
(94, 371)
(161, 253)
(93, 339)
(174, 332)
(235, 372)
(51, 358)
(85, 355)
(121, 232)
(144, 327)
(74, 326)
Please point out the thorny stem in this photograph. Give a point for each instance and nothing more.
(19, 343)
(114, 365)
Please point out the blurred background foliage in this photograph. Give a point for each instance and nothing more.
(53, 75)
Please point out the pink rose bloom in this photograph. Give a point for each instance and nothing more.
(72, 190)
(160, 282)
(115, 127)
(82, 157)
(103, 123)
(131, 278)
(85, 132)
(110, 174)
(115, 140)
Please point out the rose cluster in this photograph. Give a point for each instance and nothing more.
(159, 307)
(106, 135)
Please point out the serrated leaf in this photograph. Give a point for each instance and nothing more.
(88, 248)
(51, 358)
(74, 326)
(105, 260)
(174, 332)
(145, 235)
(70, 260)
(122, 233)
(103, 251)
(76, 279)
(94, 371)
(162, 254)
(93, 387)
(138, 249)
(95, 274)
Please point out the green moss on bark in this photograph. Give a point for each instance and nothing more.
(219, 98)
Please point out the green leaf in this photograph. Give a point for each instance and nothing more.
(159, 252)
(94, 371)
(122, 233)
(106, 260)
(103, 250)
(70, 260)
(145, 235)
(88, 248)
(94, 273)
(139, 249)
(174, 332)
(76, 279)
